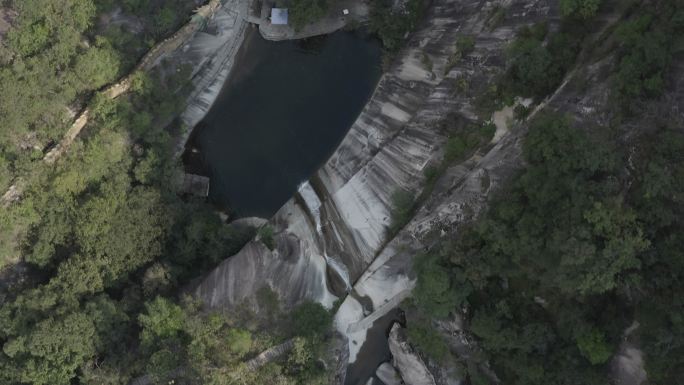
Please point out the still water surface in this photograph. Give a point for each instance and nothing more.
(282, 113)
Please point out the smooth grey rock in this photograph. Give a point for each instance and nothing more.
(211, 54)
(388, 374)
(411, 367)
(628, 366)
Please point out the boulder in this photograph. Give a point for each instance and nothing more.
(411, 367)
(388, 374)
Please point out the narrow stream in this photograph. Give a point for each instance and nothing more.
(282, 113)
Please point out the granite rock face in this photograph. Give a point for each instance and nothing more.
(411, 367)
(210, 53)
(294, 269)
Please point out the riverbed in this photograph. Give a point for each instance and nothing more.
(281, 114)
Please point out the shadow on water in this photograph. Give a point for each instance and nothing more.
(282, 113)
(374, 351)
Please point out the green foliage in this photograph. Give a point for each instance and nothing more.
(266, 236)
(463, 140)
(5, 173)
(55, 56)
(435, 293)
(455, 148)
(565, 234)
(659, 196)
(556, 271)
(311, 320)
(97, 67)
(165, 19)
(402, 209)
(532, 67)
(593, 347)
(42, 79)
(646, 51)
(93, 229)
(465, 44)
(596, 237)
(391, 24)
(216, 347)
(239, 341)
(161, 363)
(52, 351)
(103, 228)
(431, 174)
(303, 12)
(496, 17)
(429, 341)
(536, 67)
(585, 9)
(162, 320)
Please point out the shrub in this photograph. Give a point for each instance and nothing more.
(239, 341)
(311, 320)
(428, 340)
(434, 292)
(162, 320)
(594, 347)
(584, 9)
(266, 236)
(646, 52)
(303, 12)
(392, 25)
(455, 148)
(402, 208)
(465, 44)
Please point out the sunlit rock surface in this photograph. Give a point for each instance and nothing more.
(294, 269)
(211, 54)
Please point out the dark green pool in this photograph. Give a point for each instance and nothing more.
(284, 111)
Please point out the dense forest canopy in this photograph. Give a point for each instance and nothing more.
(107, 239)
(586, 241)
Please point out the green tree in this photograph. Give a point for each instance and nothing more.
(97, 67)
(583, 8)
(52, 352)
(428, 340)
(393, 25)
(593, 347)
(162, 320)
(239, 341)
(434, 292)
(402, 208)
(303, 12)
(311, 320)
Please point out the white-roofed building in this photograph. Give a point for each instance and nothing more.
(279, 16)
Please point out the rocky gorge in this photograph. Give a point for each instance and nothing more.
(445, 192)
(332, 243)
(331, 239)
